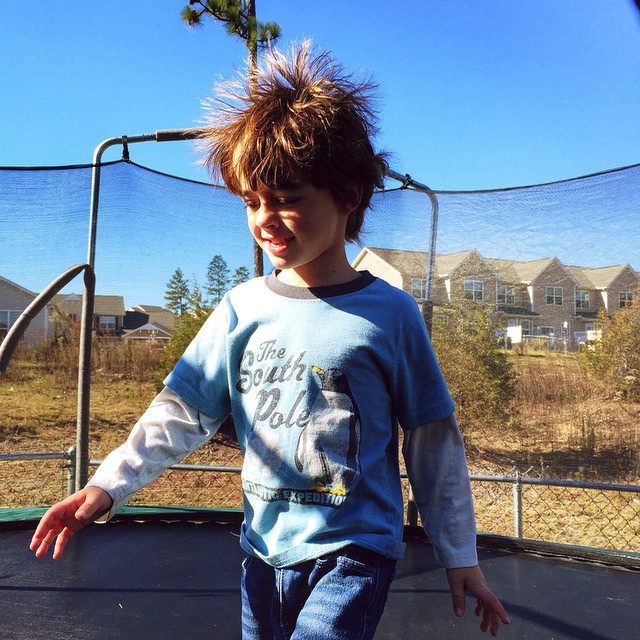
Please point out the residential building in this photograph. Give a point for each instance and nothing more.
(541, 297)
(108, 311)
(148, 322)
(14, 299)
(606, 288)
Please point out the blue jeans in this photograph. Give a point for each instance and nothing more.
(340, 596)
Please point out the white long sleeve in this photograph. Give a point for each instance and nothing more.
(168, 430)
(437, 469)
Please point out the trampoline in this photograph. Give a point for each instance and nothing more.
(167, 574)
(175, 573)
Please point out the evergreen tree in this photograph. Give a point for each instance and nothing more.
(239, 17)
(196, 298)
(217, 279)
(185, 329)
(177, 293)
(240, 275)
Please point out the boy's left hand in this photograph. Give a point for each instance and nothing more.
(472, 580)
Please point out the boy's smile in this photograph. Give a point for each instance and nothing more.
(302, 229)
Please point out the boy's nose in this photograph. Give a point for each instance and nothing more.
(266, 216)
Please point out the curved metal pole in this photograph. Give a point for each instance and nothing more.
(18, 328)
(427, 306)
(86, 326)
(88, 297)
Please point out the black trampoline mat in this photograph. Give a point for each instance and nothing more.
(162, 580)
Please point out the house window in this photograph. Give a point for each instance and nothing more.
(553, 295)
(473, 290)
(589, 326)
(525, 324)
(625, 299)
(108, 323)
(418, 287)
(506, 294)
(582, 299)
(7, 318)
(546, 331)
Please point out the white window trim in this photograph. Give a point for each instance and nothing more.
(554, 295)
(627, 300)
(580, 301)
(471, 287)
(508, 298)
(12, 317)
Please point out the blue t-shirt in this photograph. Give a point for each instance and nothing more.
(317, 381)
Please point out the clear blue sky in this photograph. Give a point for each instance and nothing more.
(472, 95)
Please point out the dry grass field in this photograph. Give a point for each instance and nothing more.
(563, 425)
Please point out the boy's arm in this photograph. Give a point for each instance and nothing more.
(168, 430)
(437, 469)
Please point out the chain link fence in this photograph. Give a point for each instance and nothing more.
(596, 515)
(588, 514)
(35, 479)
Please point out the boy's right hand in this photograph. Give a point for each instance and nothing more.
(66, 517)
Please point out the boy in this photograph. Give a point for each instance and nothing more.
(318, 365)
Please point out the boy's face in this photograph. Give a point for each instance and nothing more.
(302, 230)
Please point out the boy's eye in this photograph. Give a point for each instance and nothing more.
(278, 202)
(287, 202)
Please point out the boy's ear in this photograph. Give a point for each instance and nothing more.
(352, 197)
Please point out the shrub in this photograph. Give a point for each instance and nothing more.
(480, 377)
(184, 331)
(615, 358)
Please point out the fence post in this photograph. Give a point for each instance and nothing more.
(517, 506)
(71, 470)
(412, 510)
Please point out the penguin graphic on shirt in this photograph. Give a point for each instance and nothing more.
(329, 444)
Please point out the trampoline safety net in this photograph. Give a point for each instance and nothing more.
(548, 257)
(150, 224)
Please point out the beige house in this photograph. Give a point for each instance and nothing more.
(108, 311)
(541, 297)
(14, 299)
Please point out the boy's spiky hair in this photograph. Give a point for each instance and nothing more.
(297, 119)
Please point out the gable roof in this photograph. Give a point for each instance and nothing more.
(447, 263)
(505, 269)
(103, 305)
(404, 262)
(15, 285)
(518, 271)
(157, 314)
(414, 263)
(598, 277)
(149, 331)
